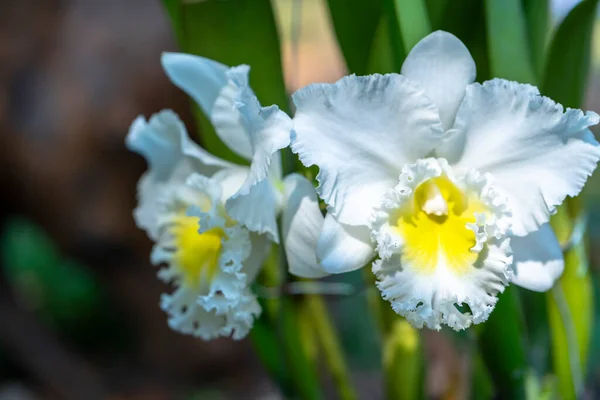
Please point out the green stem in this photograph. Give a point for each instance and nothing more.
(282, 335)
(502, 346)
(570, 305)
(402, 350)
(328, 340)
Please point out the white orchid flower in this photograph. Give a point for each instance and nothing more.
(439, 177)
(255, 133)
(209, 257)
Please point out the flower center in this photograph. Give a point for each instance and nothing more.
(443, 240)
(197, 254)
(435, 226)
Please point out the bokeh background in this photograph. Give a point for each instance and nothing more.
(79, 315)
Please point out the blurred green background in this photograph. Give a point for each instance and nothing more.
(79, 316)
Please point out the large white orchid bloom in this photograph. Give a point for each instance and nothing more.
(440, 177)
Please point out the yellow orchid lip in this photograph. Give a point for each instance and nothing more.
(435, 227)
(444, 245)
(196, 257)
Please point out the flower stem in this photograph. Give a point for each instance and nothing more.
(329, 343)
(402, 349)
(570, 304)
(281, 347)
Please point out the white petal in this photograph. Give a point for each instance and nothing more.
(258, 209)
(301, 225)
(344, 248)
(269, 130)
(231, 180)
(261, 246)
(201, 78)
(171, 156)
(208, 83)
(538, 259)
(256, 203)
(536, 152)
(359, 132)
(227, 119)
(443, 67)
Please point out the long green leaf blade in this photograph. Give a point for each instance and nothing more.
(538, 18)
(450, 16)
(570, 303)
(502, 346)
(568, 60)
(508, 42)
(413, 21)
(355, 23)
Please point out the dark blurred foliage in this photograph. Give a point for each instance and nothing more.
(79, 315)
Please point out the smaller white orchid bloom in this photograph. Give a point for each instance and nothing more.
(210, 258)
(257, 194)
(254, 132)
(449, 183)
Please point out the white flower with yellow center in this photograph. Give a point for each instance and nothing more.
(209, 257)
(448, 183)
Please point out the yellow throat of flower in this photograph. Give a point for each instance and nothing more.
(197, 254)
(434, 227)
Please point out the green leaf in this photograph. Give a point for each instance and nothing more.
(568, 60)
(280, 342)
(412, 20)
(502, 346)
(402, 360)
(570, 303)
(538, 18)
(570, 311)
(328, 339)
(62, 290)
(382, 59)
(232, 32)
(466, 20)
(508, 42)
(355, 23)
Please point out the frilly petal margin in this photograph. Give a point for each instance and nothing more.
(269, 130)
(537, 152)
(171, 156)
(211, 319)
(360, 131)
(301, 225)
(442, 295)
(443, 67)
(538, 260)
